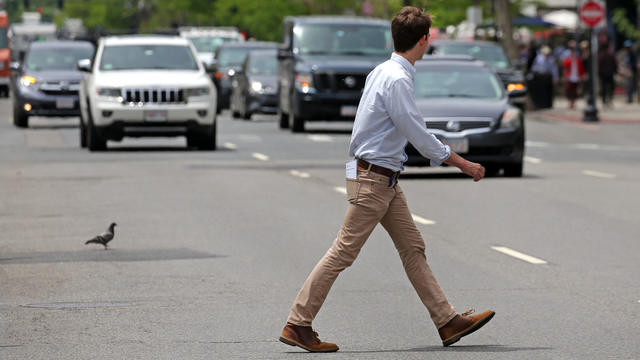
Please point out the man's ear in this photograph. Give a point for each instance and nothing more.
(423, 39)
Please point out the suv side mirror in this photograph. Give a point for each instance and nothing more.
(84, 65)
(284, 53)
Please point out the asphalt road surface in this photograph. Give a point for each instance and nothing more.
(212, 247)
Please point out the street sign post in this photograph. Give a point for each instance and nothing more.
(591, 13)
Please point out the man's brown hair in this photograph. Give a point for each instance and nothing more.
(408, 26)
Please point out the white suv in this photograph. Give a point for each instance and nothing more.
(146, 86)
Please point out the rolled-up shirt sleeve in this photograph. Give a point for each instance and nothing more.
(401, 107)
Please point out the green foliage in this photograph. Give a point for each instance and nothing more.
(622, 23)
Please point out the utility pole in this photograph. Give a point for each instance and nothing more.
(503, 20)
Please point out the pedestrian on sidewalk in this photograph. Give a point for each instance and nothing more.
(543, 78)
(573, 74)
(630, 70)
(607, 68)
(386, 119)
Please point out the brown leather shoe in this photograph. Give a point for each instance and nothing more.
(306, 338)
(462, 325)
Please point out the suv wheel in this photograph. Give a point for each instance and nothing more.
(95, 142)
(513, 170)
(296, 123)
(83, 128)
(20, 119)
(204, 138)
(283, 118)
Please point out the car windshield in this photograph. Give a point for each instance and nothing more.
(343, 39)
(134, 57)
(492, 55)
(4, 42)
(232, 56)
(61, 58)
(209, 44)
(465, 82)
(263, 65)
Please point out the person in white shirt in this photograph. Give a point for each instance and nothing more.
(386, 119)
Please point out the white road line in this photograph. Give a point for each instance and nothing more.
(260, 156)
(320, 138)
(533, 160)
(300, 174)
(340, 189)
(536, 144)
(519, 255)
(230, 146)
(586, 146)
(421, 220)
(598, 174)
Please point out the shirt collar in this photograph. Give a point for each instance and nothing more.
(404, 62)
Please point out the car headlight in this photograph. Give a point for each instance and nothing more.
(515, 86)
(202, 91)
(27, 81)
(109, 92)
(304, 82)
(510, 118)
(256, 86)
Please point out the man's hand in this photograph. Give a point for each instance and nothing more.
(475, 170)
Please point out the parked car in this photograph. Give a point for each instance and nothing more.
(465, 105)
(255, 85)
(47, 82)
(208, 39)
(229, 59)
(489, 52)
(146, 86)
(323, 65)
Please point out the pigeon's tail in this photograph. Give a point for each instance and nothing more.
(94, 241)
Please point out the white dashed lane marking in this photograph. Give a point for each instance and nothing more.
(598, 174)
(230, 146)
(421, 220)
(340, 189)
(261, 157)
(300, 174)
(536, 144)
(518, 255)
(320, 138)
(532, 160)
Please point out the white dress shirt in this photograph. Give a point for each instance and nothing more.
(388, 117)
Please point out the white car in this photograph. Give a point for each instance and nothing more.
(208, 39)
(146, 86)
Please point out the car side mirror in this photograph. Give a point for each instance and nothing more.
(14, 66)
(284, 53)
(84, 65)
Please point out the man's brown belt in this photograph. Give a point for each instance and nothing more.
(377, 169)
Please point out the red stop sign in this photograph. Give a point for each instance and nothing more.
(591, 13)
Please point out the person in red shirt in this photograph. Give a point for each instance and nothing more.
(573, 74)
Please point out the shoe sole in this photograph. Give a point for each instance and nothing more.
(455, 338)
(295, 343)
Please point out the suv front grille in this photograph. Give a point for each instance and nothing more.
(153, 96)
(60, 87)
(330, 82)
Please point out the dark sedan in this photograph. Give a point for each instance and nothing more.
(255, 86)
(229, 59)
(489, 52)
(47, 82)
(465, 105)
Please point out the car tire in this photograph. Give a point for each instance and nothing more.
(246, 115)
(491, 170)
(205, 138)
(513, 170)
(95, 141)
(296, 123)
(283, 119)
(83, 134)
(20, 119)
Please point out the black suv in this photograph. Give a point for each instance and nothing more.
(323, 65)
(489, 52)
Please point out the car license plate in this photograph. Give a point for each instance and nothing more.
(460, 146)
(155, 115)
(348, 110)
(64, 104)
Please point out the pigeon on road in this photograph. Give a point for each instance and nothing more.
(103, 238)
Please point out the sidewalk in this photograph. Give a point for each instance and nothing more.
(619, 113)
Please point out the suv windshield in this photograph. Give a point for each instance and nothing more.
(209, 44)
(62, 58)
(263, 65)
(467, 82)
(133, 57)
(492, 55)
(232, 56)
(342, 39)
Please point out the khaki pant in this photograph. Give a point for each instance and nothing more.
(373, 201)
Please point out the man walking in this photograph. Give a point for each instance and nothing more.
(387, 117)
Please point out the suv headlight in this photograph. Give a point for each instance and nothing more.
(27, 80)
(109, 92)
(256, 86)
(304, 82)
(202, 91)
(510, 118)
